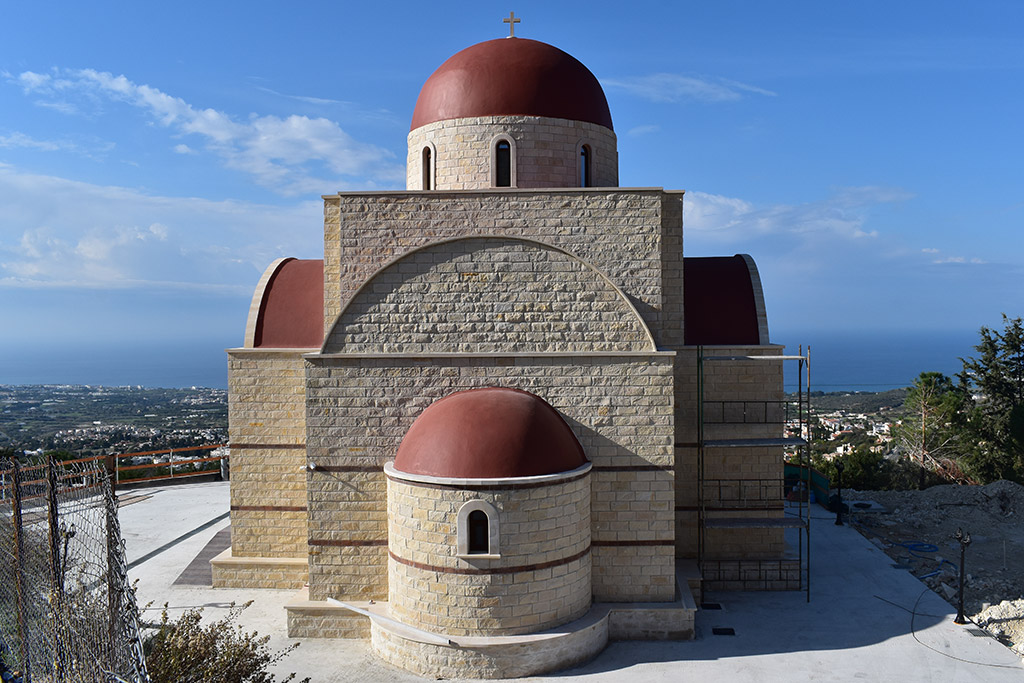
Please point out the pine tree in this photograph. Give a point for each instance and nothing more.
(995, 417)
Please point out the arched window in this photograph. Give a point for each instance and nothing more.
(503, 164)
(427, 167)
(477, 529)
(478, 533)
(503, 161)
(585, 178)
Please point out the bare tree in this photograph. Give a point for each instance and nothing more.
(928, 434)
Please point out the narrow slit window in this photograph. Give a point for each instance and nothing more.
(585, 179)
(479, 533)
(427, 168)
(503, 164)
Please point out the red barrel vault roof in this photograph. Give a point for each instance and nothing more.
(291, 312)
(720, 305)
(489, 433)
(512, 77)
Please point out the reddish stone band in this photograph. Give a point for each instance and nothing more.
(494, 570)
(631, 543)
(348, 544)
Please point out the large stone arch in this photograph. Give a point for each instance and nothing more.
(488, 294)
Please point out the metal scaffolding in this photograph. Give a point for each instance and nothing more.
(743, 499)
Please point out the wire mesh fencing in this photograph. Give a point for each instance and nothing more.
(67, 611)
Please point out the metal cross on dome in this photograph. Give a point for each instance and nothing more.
(511, 21)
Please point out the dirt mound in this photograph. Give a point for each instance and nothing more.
(1003, 498)
(1005, 621)
(917, 530)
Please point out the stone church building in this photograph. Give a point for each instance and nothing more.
(479, 430)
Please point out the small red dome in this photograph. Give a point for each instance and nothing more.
(512, 77)
(489, 433)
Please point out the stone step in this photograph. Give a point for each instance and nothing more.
(436, 654)
(688, 574)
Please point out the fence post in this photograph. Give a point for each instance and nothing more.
(110, 463)
(53, 521)
(57, 610)
(19, 566)
(114, 606)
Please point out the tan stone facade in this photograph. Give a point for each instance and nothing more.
(574, 295)
(488, 295)
(632, 236)
(267, 431)
(362, 405)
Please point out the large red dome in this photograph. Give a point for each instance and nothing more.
(512, 77)
(489, 433)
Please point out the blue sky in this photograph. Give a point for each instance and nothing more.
(155, 157)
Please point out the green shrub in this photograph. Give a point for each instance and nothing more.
(185, 651)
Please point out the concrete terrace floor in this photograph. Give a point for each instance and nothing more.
(860, 623)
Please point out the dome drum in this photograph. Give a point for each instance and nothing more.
(547, 153)
(533, 573)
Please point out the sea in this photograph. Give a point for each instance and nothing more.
(839, 361)
(875, 360)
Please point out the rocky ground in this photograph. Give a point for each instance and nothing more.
(917, 529)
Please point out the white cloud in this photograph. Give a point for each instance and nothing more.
(643, 130)
(290, 155)
(62, 107)
(102, 237)
(20, 140)
(350, 110)
(32, 81)
(713, 212)
(184, 149)
(728, 219)
(664, 87)
(960, 259)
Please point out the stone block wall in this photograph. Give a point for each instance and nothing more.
(546, 152)
(747, 575)
(486, 658)
(326, 623)
(617, 231)
(742, 400)
(485, 295)
(618, 405)
(308, 619)
(258, 572)
(745, 544)
(347, 518)
(670, 327)
(267, 434)
(539, 578)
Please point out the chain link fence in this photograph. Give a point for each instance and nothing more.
(67, 612)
